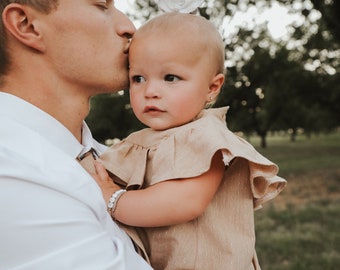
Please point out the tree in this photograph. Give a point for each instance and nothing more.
(271, 84)
(111, 117)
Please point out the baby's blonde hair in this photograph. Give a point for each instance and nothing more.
(204, 35)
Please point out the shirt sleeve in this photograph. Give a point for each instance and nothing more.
(46, 226)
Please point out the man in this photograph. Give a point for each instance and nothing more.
(55, 55)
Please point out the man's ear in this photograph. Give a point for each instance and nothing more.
(215, 87)
(19, 21)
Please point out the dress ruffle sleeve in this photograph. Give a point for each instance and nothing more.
(147, 157)
(127, 161)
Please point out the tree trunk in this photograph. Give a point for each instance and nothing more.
(293, 135)
(263, 141)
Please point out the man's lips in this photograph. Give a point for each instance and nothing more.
(127, 47)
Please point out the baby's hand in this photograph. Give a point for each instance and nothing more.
(104, 181)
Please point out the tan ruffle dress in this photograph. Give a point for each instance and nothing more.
(224, 236)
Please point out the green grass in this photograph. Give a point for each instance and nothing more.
(306, 238)
(303, 155)
(300, 229)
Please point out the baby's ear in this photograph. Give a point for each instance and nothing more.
(20, 21)
(215, 86)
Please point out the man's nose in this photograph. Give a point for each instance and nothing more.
(126, 27)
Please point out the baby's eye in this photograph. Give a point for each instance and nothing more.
(137, 79)
(171, 78)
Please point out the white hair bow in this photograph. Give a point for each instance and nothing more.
(183, 6)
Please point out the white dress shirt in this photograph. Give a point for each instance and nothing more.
(53, 215)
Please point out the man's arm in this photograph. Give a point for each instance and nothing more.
(44, 226)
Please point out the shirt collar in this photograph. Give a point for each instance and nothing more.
(44, 124)
(87, 140)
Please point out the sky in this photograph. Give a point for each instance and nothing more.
(277, 17)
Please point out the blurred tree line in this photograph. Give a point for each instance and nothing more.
(288, 84)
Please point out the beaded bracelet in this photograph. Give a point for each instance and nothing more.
(111, 206)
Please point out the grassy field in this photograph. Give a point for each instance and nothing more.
(300, 229)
